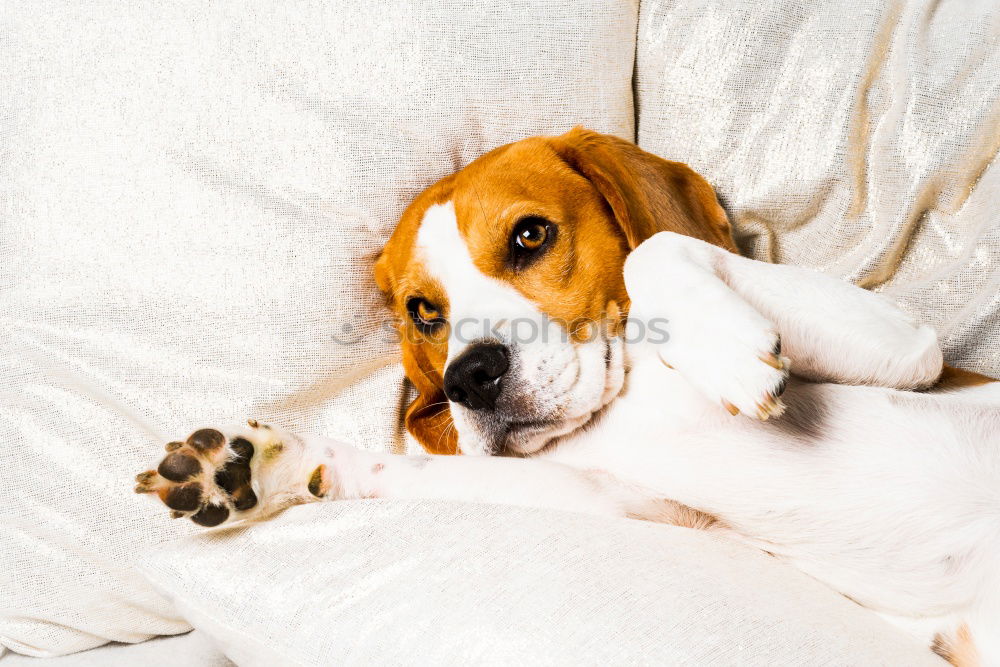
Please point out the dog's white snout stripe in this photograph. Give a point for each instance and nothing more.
(480, 307)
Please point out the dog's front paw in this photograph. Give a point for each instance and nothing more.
(211, 476)
(738, 364)
(715, 339)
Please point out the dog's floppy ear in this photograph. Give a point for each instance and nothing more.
(428, 418)
(646, 193)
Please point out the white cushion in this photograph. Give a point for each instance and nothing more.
(385, 583)
(857, 138)
(193, 649)
(191, 196)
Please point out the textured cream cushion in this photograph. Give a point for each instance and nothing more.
(193, 649)
(386, 583)
(858, 138)
(191, 196)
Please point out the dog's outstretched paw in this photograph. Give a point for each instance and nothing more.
(210, 476)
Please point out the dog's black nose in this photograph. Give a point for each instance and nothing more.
(473, 378)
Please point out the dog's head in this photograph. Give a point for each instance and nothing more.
(507, 281)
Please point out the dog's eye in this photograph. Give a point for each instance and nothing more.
(424, 314)
(530, 235)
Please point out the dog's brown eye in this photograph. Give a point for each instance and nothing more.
(530, 236)
(424, 314)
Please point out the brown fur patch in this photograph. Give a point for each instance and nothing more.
(956, 378)
(957, 648)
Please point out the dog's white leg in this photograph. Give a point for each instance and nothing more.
(725, 313)
(346, 472)
(219, 476)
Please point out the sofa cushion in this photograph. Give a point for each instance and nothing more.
(391, 583)
(191, 196)
(193, 649)
(857, 139)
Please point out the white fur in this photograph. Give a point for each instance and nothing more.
(890, 497)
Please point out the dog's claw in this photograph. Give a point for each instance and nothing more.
(144, 481)
(773, 360)
(771, 406)
(732, 409)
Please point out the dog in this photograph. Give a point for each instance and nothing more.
(576, 321)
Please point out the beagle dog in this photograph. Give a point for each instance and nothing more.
(577, 322)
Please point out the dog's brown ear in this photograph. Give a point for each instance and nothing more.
(646, 193)
(428, 417)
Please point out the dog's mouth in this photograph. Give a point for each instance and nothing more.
(515, 427)
(547, 394)
(525, 437)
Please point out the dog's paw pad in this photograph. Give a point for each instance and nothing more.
(207, 477)
(211, 515)
(319, 481)
(234, 477)
(183, 498)
(206, 440)
(179, 467)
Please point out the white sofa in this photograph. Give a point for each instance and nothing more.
(191, 195)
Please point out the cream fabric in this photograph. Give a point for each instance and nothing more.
(191, 195)
(397, 583)
(193, 649)
(859, 138)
